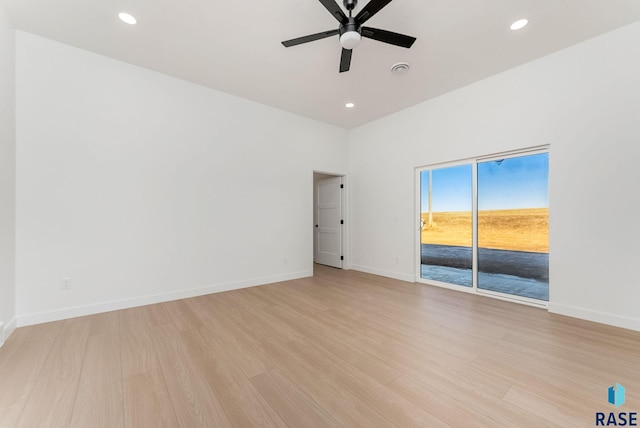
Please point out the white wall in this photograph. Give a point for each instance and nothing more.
(7, 175)
(141, 187)
(584, 102)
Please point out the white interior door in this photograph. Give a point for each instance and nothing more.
(329, 222)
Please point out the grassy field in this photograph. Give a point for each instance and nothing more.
(516, 230)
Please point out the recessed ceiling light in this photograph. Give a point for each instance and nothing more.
(519, 24)
(126, 18)
(349, 105)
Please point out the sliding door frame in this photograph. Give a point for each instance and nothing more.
(474, 214)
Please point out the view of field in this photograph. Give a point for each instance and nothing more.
(515, 230)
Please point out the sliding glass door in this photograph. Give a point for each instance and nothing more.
(484, 225)
(513, 226)
(446, 225)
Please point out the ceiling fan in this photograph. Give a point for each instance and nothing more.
(351, 30)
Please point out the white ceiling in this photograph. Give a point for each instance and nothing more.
(234, 46)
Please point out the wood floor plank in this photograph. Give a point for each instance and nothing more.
(28, 349)
(107, 322)
(228, 327)
(294, 297)
(53, 396)
(236, 309)
(294, 406)
(564, 416)
(138, 354)
(389, 405)
(15, 342)
(243, 404)
(194, 403)
(441, 406)
(182, 314)
(342, 348)
(460, 401)
(348, 409)
(337, 341)
(157, 315)
(147, 402)
(400, 354)
(99, 401)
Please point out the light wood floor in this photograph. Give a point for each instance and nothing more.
(341, 349)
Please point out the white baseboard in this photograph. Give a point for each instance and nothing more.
(78, 311)
(599, 317)
(6, 329)
(388, 274)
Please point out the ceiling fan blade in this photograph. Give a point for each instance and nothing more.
(309, 38)
(345, 60)
(370, 9)
(335, 10)
(388, 37)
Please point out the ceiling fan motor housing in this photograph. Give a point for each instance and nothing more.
(351, 25)
(350, 34)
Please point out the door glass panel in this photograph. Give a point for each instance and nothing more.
(446, 235)
(513, 226)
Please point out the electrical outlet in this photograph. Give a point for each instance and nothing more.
(397, 260)
(285, 262)
(66, 283)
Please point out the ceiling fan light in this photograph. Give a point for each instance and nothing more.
(350, 39)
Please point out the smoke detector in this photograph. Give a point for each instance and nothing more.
(400, 67)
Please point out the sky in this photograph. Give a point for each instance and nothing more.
(520, 182)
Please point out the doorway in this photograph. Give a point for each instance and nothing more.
(328, 219)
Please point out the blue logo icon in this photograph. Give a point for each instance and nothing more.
(616, 395)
